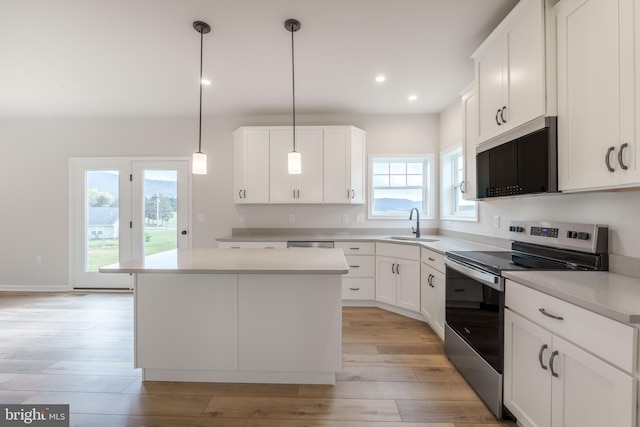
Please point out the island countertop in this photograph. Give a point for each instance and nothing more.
(241, 261)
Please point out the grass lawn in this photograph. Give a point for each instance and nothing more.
(103, 252)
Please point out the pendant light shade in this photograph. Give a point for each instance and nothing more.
(294, 160)
(199, 163)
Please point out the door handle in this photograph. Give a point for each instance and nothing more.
(606, 159)
(622, 165)
(183, 232)
(542, 349)
(553, 356)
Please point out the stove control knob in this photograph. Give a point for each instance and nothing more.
(519, 229)
(512, 228)
(583, 236)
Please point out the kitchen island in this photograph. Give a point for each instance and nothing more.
(238, 315)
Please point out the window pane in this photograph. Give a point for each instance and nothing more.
(103, 219)
(414, 180)
(415, 168)
(392, 200)
(160, 211)
(380, 168)
(381, 180)
(399, 168)
(398, 180)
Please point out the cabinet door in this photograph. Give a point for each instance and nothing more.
(427, 293)
(357, 167)
(524, 62)
(408, 284)
(438, 282)
(251, 163)
(309, 182)
(588, 92)
(470, 130)
(282, 186)
(527, 379)
(337, 165)
(489, 69)
(386, 280)
(589, 392)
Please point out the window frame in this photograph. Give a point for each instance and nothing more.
(428, 187)
(449, 187)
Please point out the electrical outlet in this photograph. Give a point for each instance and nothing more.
(292, 218)
(38, 259)
(345, 218)
(243, 218)
(496, 221)
(360, 218)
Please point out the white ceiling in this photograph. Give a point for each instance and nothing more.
(141, 57)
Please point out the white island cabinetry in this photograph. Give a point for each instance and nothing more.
(247, 315)
(564, 365)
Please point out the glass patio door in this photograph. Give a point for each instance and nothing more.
(123, 209)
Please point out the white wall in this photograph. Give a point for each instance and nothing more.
(619, 210)
(34, 179)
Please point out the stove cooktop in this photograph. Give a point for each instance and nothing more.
(498, 261)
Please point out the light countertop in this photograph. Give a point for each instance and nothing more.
(609, 294)
(237, 261)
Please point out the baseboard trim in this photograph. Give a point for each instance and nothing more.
(35, 288)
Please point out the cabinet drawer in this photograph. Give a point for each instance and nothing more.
(357, 248)
(359, 288)
(361, 266)
(432, 259)
(252, 245)
(613, 341)
(398, 251)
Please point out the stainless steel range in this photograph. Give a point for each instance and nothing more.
(475, 293)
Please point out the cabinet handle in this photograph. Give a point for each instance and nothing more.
(354, 266)
(240, 194)
(347, 193)
(244, 194)
(430, 280)
(553, 316)
(397, 268)
(353, 193)
(354, 249)
(606, 159)
(298, 194)
(235, 247)
(542, 349)
(497, 121)
(459, 290)
(622, 165)
(502, 114)
(431, 259)
(354, 289)
(393, 268)
(462, 186)
(269, 247)
(553, 356)
(294, 194)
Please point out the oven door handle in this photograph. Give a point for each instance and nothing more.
(491, 280)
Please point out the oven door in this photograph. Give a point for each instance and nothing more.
(474, 309)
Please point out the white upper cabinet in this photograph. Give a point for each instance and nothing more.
(597, 92)
(251, 165)
(469, 143)
(510, 71)
(344, 149)
(305, 187)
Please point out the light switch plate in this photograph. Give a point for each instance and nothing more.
(360, 218)
(345, 218)
(243, 218)
(496, 221)
(200, 218)
(292, 218)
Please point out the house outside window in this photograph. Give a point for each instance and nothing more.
(453, 205)
(399, 183)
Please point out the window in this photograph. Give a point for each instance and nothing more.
(398, 184)
(453, 205)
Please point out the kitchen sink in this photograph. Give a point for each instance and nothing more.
(413, 239)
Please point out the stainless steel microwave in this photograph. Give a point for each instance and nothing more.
(523, 161)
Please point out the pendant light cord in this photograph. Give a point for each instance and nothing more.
(200, 119)
(293, 83)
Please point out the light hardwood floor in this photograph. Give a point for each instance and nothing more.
(77, 349)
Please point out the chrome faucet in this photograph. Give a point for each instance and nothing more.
(416, 230)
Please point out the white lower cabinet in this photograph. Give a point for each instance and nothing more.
(252, 245)
(398, 279)
(432, 298)
(549, 381)
(360, 282)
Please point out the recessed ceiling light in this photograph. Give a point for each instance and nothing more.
(380, 79)
(413, 97)
(206, 82)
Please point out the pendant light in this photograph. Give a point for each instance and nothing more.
(199, 158)
(295, 159)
